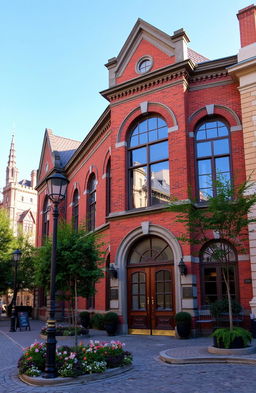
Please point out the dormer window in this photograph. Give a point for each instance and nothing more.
(144, 65)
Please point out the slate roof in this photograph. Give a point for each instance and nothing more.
(63, 148)
(25, 182)
(196, 57)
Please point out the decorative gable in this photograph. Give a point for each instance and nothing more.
(56, 152)
(146, 42)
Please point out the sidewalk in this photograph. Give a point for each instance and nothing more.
(149, 374)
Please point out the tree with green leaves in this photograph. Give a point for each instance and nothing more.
(6, 248)
(78, 263)
(225, 216)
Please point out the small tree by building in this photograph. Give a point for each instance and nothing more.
(225, 216)
(78, 263)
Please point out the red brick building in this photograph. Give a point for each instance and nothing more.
(173, 124)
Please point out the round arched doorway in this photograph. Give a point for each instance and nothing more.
(150, 287)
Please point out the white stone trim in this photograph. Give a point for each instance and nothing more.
(243, 257)
(172, 129)
(144, 107)
(210, 109)
(236, 128)
(145, 227)
(121, 258)
(121, 144)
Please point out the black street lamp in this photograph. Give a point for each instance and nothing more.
(16, 255)
(56, 185)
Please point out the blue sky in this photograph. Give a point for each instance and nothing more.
(53, 54)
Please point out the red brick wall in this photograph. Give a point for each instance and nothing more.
(247, 23)
(161, 59)
(183, 103)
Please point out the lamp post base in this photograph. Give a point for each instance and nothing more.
(13, 320)
(50, 363)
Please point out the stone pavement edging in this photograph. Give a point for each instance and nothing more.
(166, 357)
(234, 351)
(39, 381)
(81, 336)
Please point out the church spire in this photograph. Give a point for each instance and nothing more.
(11, 170)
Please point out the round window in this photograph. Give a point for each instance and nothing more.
(144, 65)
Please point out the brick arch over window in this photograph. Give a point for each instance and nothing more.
(92, 169)
(91, 202)
(146, 108)
(75, 209)
(216, 110)
(45, 218)
(148, 162)
(105, 162)
(213, 155)
(75, 186)
(212, 282)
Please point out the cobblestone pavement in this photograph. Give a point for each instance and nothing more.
(148, 375)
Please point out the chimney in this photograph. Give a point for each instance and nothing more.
(247, 24)
(33, 178)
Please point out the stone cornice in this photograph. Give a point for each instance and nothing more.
(149, 81)
(186, 70)
(242, 68)
(210, 70)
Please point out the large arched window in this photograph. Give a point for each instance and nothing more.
(150, 250)
(91, 202)
(108, 187)
(46, 218)
(213, 156)
(75, 210)
(148, 163)
(218, 257)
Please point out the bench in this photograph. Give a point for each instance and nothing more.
(205, 321)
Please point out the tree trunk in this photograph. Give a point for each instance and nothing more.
(75, 313)
(230, 315)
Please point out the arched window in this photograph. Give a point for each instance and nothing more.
(150, 250)
(91, 202)
(218, 257)
(213, 156)
(46, 218)
(108, 187)
(148, 163)
(75, 210)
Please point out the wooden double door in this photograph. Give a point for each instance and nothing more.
(151, 300)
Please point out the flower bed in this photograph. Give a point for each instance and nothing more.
(66, 331)
(95, 357)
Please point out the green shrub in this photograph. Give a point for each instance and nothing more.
(111, 317)
(221, 306)
(183, 316)
(97, 321)
(226, 336)
(85, 318)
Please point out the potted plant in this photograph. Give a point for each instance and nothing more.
(235, 338)
(183, 323)
(111, 323)
(85, 319)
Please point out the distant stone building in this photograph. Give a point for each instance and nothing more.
(20, 199)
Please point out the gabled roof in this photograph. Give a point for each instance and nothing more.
(25, 214)
(172, 45)
(196, 57)
(61, 149)
(25, 182)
